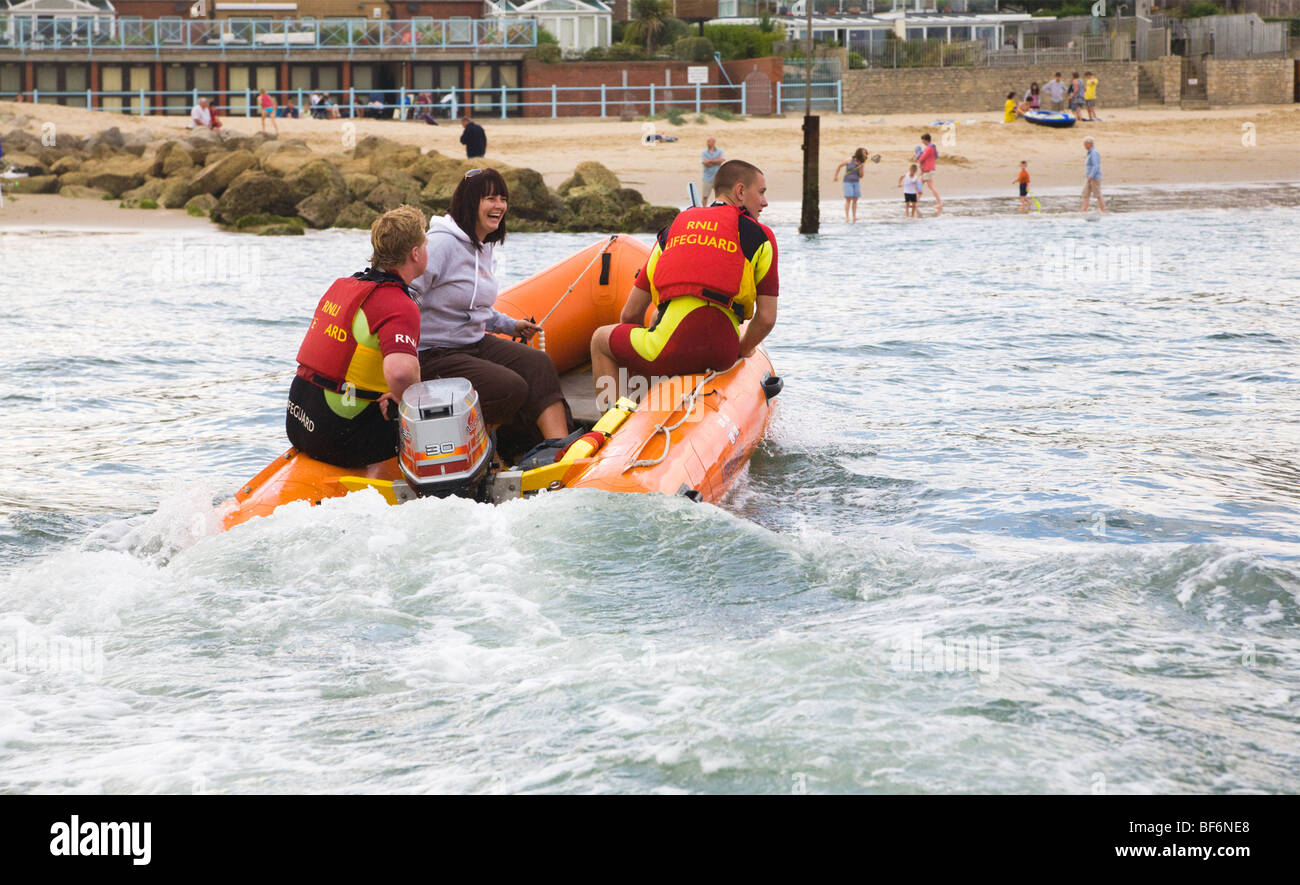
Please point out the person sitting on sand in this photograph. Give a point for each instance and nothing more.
(204, 115)
(359, 355)
(712, 269)
(1010, 110)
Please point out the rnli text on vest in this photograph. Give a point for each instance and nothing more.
(702, 239)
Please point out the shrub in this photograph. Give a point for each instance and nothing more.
(547, 53)
(723, 114)
(595, 53)
(697, 49)
(625, 52)
(856, 61)
(741, 41)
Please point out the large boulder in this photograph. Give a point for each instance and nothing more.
(200, 142)
(65, 165)
(80, 191)
(18, 140)
(360, 183)
(529, 196)
(314, 177)
(254, 193)
(589, 175)
(400, 158)
(137, 142)
(171, 158)
(356, 215)
(175, 193)
(322, 208)
(151, 190)
(117, 175)
(385, 197)
(375, 144)
(423, 166)
(24, 162)
(110, 138)
(592, 211)
(36, 184)
(200, 205)
(217, 175)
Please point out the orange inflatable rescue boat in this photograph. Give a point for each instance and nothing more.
(689, 435)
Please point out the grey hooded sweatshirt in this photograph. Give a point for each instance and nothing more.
(457, 290)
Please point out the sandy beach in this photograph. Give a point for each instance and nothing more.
(979, 155)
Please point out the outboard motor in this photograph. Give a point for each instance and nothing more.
(445, 448)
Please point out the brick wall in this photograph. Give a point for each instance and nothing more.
(1250, 81)
(1166, 72)
(581, 81)
(965, 90)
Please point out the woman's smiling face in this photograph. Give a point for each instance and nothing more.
(491, 210)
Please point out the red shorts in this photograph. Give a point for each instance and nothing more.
(690, 335)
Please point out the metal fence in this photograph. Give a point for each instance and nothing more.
(406, 104)
(1037, 49)
(289, 35)
(1226, 36)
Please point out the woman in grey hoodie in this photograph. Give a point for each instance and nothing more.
(456, 294)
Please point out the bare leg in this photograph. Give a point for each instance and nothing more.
(552, 422)
(604, 369)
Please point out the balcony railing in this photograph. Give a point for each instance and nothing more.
(284, 35)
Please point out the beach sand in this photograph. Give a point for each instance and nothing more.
(979, 156)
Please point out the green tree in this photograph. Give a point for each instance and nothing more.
(649, 17)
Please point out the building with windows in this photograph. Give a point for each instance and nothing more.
(578, 25)
(165, 53)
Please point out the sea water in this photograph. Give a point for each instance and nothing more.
(1028, 519)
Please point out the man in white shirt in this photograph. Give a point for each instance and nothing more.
(1055, 90)
(202, 116)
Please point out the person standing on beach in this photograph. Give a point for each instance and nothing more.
(911, 185)
(1076, 94)
(1023, 180)
(927, 157)
(1009, 110)
(1092, 171)
(710, 160)
(268, 111)
(1055, 90)
(712, 269)
(1090, 94)
(852, 181)
(473, 137)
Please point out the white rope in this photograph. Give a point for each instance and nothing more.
(688, 403)
(580, 276)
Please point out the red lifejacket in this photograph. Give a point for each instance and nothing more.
(329, 345)
(701, 255)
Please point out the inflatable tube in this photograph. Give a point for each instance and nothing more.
(1054, 119)
(713, 421)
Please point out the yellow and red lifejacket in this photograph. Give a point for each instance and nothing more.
(701, 255)
(331, 356)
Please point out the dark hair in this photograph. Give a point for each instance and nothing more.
(733, 171)
(925, 136)
(1011, 94)
(477, 184)
(860, 155)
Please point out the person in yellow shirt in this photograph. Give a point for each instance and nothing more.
(1009, 109)
(1090, 94)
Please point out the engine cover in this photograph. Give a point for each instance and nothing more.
(445, 445)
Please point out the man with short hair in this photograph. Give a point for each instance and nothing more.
(473, 137)
(1055, 90)
(710, 160)
(1092, 171)
(711, 270)
(359, 355)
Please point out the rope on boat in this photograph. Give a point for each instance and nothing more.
(688, 404)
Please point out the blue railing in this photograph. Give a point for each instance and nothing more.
(282, 35)
(407, 104)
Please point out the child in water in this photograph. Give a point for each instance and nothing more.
(911, 185)
(1023, 180)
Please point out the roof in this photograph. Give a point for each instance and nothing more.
(59, 7)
